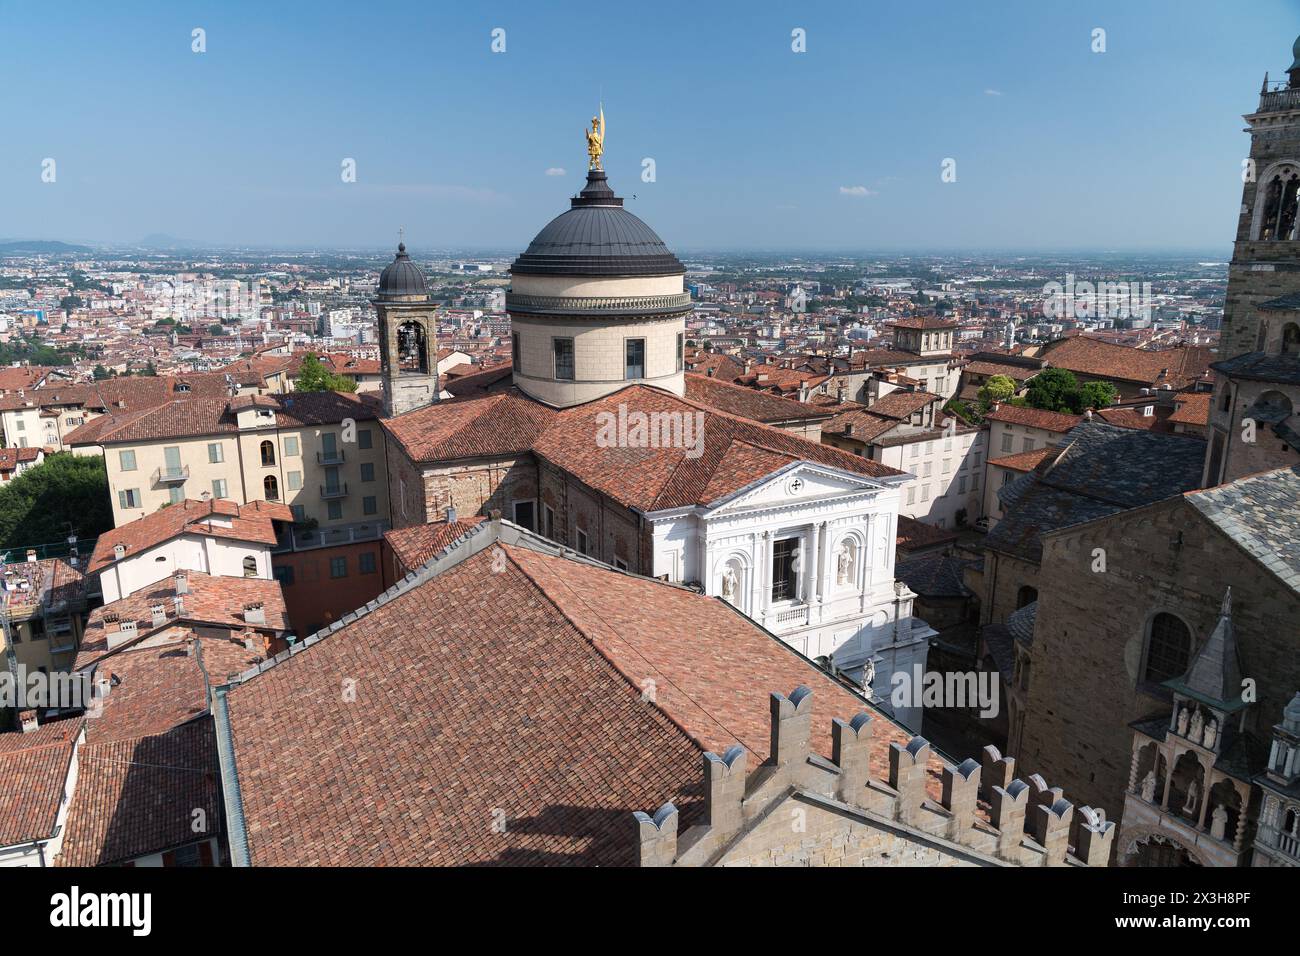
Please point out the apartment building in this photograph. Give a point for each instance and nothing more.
(1017, 439)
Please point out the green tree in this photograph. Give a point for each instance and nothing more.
(313, 376)
(101, 373)
(38, 505)
(1097, 395)
(997, 389)
(1054, 390)
(216, 329)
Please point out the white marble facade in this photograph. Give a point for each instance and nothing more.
(808, 553)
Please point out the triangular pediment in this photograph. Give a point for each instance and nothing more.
(798, 483)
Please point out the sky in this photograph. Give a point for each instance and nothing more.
(840, 147)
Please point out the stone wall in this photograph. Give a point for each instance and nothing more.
(1091, 630)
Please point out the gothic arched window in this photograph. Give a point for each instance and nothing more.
(268, 453)
(271, 488)
(1169, 648)
(1278, 216)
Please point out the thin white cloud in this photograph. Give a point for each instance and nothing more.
(992, 92)
(858, 192)
(557, 171)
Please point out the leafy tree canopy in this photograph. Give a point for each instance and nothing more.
(1057, 390)
(313, 376)
(37, 506)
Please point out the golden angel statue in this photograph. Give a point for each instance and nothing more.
(596, 140)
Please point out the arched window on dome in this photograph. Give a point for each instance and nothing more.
(1169, 649)
(412, 354)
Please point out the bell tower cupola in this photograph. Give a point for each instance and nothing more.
(408, 344)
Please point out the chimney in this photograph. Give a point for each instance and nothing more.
(848, 429)
(710, 370)
(180, 606)
(1088, 414)
(255, 613)
(451, 514)
(119, 552)
(182, 581)
(31, 554)
(158, 615)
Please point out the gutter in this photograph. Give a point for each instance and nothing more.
(232, 798)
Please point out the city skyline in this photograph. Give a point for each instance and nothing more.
(753, 148)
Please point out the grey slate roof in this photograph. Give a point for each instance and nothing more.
(1259, 366)
(1283, 303)
(1101, 470)
(597, 237)
(1215, 674)
(999, 642)
(934, 575)
(1261, 513)
(1021, 623)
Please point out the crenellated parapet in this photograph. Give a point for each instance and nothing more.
(798, 808)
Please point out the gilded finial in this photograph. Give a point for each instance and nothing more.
(596, 140)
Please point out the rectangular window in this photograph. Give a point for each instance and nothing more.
(925, 492)
(283, 574)
(216, 454)
(926, 469)
(961, 485)
(582, 541)
(299, 512)
(365, 439)
(126, 460)
(175, 494)
(563, 359)
(129, 498)
(1006, 441)
(366, 562)
(681, 351)
(329, 444)
(291, 444)
(911, 495)
(785, 579)
(370, 505)
(1028, 445)
(548, 521)
(367, 471)
(915, 451)
(294, 479)
(526, 515)
(634, 359)
(514, 351)
(22, 424)
(218, 487)
(334, 510)
(339, 567)
(172, 459)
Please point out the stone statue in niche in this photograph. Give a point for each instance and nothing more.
(844, 563)
(1211, 734)
(730, 584)
(1183, 717)
(1149, 786)
(1197, 724)
(1193, 798)
(1218, 822)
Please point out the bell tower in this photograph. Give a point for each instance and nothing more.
(1253, 424)
(408, 343)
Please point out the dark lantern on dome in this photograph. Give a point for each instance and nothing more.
(597, 237)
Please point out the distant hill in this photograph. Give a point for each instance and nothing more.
(39, 247)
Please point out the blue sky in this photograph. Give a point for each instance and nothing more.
(755, 146)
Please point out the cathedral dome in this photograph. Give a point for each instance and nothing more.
(402, 276)
(597, 237)
(1295, 53)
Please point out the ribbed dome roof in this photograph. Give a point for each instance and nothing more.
(597, 237)
(402, 276)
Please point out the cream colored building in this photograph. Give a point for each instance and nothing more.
(322, 454)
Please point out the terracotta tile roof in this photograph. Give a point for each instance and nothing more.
(479, 382)
(1024, 460)
(153, 690)
(746, 402)
(501, 424)
(1179, 367)
(251, 522)
(214, 601)
(725, 368)
(1127, 416)
(138, 796)
(860, 424)
(11, 458)
(923, 322)
(34, 768)
(913, 535)
(900, 404)
(1193, 409)
(191, 416)
(1033, 418)
(651, 479)
(416, 545)
(631, 679)
(1016, 372)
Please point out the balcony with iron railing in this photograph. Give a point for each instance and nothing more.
(1278, 96)
(330, 457)
(303, 538)
(171, 476)
(334, 491)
